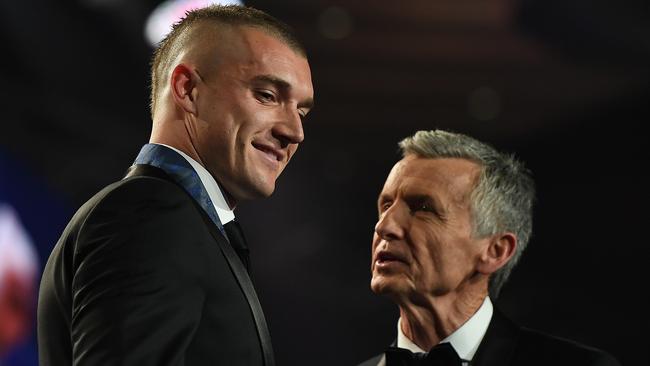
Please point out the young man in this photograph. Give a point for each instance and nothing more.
(153, 269)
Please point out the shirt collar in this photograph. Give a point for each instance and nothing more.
(225, 213)
(465, 339)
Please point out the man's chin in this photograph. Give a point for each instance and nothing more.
(264, 186)
(253, 190)
(264, 190)
(386, 285)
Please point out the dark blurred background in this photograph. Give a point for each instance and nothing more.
(562, 84)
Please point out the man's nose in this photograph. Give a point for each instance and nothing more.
(391, 224)
(289, 130)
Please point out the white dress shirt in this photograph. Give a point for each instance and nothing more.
(225, 213)
(465, 339)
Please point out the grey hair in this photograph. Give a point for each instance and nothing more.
(502, 198)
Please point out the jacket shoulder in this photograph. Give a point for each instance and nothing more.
(124, 198)
(133, 206)
(134, 190)
(136, 214)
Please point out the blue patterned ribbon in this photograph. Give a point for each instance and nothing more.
(182, 172)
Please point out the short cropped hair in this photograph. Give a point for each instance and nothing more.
(502, 198)
(232, 15)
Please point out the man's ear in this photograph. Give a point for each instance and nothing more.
(498, 252)
(183, 84)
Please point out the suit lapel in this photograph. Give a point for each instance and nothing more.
(236, 266)
(499, 342)
(246, 285)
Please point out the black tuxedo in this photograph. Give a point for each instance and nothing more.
(506, 344)
(141, 276)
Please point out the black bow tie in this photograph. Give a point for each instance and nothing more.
(238, 242)
(442, 354)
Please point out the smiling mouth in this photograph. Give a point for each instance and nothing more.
(271, 153)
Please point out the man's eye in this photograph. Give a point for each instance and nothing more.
(384, 206)
(424, 207)
(265, 96)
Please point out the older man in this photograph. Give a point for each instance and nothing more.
(153, 269)
(455, 216)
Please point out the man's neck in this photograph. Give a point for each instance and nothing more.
(184, 144)
(428, 323)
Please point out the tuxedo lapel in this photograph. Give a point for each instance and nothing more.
(241, 274)
(236, 266)
(499, 342)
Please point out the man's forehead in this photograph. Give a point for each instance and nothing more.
(420, 173)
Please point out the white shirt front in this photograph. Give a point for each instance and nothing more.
(465, 339)
(225, 213)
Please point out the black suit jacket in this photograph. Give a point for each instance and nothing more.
(506, 344)
(141, 276)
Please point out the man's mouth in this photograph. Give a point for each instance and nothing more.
(271, 152)
(388, 257)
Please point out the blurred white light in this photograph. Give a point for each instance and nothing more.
(171, 11)
(17, 254)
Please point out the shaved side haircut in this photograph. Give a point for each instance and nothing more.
(218, 16)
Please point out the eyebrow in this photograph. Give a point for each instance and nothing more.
(282, 84)
(419, 197)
